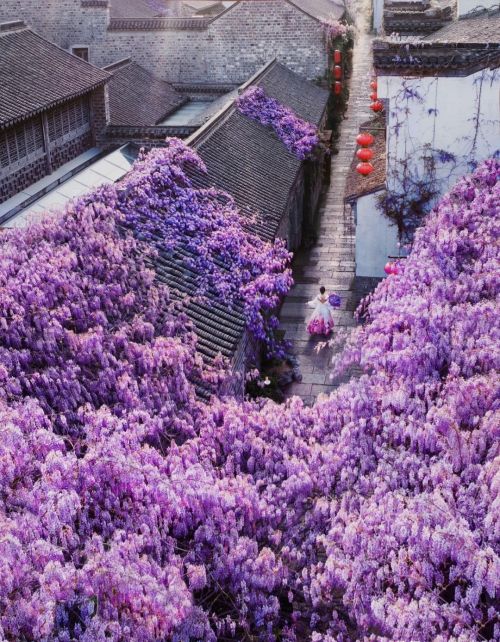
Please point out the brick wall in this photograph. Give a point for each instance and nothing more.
(63, 153)
(16, 182)
(65, 22)
(290, 228)
(229, 49)
(99, 115)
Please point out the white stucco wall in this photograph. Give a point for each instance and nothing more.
(378, 15)
(376, 237)
(460, 115)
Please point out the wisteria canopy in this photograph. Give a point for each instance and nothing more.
(129, 511)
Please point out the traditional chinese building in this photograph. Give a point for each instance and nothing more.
(441, 98)
(276, 191)
(52, 107)
(227, 47)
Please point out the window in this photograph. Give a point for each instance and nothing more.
(70, 120)
(19, 144)
(81, 52)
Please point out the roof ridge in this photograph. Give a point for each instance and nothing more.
(118, 64)
(479, 11)
(12, 25)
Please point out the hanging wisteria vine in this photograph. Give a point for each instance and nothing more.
(298, 136)
(130, 512)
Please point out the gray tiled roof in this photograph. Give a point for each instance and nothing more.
(36, 75)
(252, 164)
(306, 99)
(249, 161)
(321, 8)
(480, 28)
(138, 98)
(218, 326)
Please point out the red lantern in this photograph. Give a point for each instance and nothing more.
(364, 168)
(377, 106)
(337, 72)
(373, 84)
(373, 96)
(388, 268)
(337, 87)
(337, 56)
(365, 139)
(364, 154)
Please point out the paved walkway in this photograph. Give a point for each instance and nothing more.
(330, 262)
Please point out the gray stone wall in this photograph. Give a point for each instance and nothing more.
(65, 22)
(14, 183)
(229, 49)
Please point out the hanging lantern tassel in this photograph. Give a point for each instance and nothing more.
(337, 87)
(337, 72)
(365, 139)
(364, 168)
(364, 154)
(337, 56)
(377, 106)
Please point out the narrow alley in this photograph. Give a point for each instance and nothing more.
(331, 261)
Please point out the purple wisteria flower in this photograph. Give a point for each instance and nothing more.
(129, 510)
(299, 136)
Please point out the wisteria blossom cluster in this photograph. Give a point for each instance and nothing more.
(335, 30)
(128, 511)
(205, 230)
(298, 136)
(82, 323)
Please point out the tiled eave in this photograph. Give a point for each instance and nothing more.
(158, 24)
(103, 4)
(429, 59)
(4, 124)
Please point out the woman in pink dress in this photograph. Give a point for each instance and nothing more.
(321, 320)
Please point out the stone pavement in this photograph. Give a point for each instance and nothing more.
(330, 262)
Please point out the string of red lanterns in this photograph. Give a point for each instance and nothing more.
(376, 104)
(365, 139)
(364, 154)
(337, 72)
